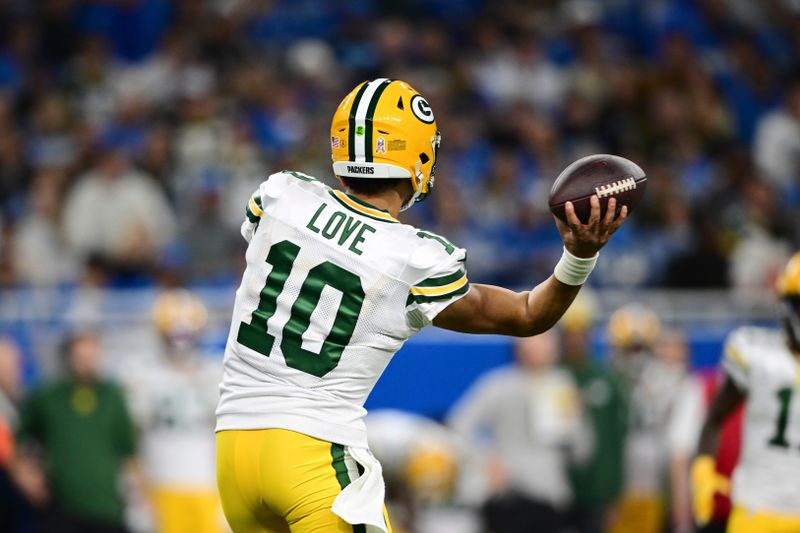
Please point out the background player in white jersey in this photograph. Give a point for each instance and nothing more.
(334, 286)
(762, 369)
(173, 396)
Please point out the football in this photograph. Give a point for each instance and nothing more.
(607, 176)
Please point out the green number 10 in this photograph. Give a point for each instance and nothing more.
(255, 335)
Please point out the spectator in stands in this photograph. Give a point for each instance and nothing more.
(81, 428)
(597, 483)
(39, 251)
(517, 69)
(118, 212)
(527, 424)
(233, 91)
(776, 148)
(210, 245)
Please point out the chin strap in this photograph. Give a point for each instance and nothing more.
(418, 195)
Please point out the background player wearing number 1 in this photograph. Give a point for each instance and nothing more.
(334, 286)
(762, 369)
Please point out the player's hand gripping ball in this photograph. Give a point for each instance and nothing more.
(607, 176)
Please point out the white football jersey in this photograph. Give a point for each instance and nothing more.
(333, 288)
(173, 404)
(766, 477)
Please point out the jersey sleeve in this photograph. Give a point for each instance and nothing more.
(735, 359)
(253, 212)
(270, 190)
(442, 278)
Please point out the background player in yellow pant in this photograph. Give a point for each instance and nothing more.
(762, 369)
(334, 286)
(172, 395)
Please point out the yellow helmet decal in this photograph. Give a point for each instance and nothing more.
(386, 129)
(789, 280)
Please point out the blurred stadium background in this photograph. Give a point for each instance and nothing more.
(133, 131)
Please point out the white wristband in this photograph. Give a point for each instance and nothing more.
(572, 270)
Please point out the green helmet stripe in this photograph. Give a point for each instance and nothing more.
(351, 128)
(360, 151)
(376, 96)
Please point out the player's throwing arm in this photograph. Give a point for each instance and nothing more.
(591, 199)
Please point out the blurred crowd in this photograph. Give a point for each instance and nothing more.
(132, 131)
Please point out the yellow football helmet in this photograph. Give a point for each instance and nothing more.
(431, 471)
(385, 129)
(179, 313)
(580, 315)
(789, 294)
(633, 325)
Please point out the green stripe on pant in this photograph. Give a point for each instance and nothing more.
(337, 456)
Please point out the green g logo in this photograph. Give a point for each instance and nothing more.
(422, 109)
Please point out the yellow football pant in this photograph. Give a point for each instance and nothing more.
(186, 511)
(743, 521)
(638, 514)
(280, 481)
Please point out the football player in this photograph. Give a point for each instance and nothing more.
(334, 286)
(172, 397)
(632, 334)
(761, 369)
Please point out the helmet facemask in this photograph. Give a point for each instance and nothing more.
(421, 192)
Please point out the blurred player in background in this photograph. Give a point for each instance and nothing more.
(683, 424)
(633, 331)
(762, 370)
(597, 482)
(334, 286)
(82, 428)
(420, 459)
(173, 397)
(527, 424)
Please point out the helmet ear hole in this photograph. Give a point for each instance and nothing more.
(424, 158)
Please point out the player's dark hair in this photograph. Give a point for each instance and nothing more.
(371, 185)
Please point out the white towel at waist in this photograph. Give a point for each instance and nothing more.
(361, 502)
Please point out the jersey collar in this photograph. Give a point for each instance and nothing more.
(363, 208)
